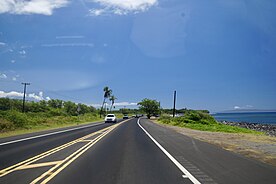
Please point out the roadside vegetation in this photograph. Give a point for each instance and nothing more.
(42, 115)
(150, 107)
(193, 119)
(201, 120)
(50, 114)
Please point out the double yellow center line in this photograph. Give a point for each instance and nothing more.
(58, 166)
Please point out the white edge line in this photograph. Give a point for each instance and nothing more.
(43, 135)
(180, 167)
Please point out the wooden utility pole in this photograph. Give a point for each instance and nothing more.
(174, 100)
(24, 96)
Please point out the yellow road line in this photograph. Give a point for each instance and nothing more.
(70, 158)
(86, 140)
(45, 154)
(39, 165)
(26, 164)
(34, 159)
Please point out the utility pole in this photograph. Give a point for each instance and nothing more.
(24, 96)
(174, 99)
(160, 108)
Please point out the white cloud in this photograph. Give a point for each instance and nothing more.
(70, 37)
(48, 98)
(36, 97)
(3, 76)
(122, 7)
(96, 105)
(2, 43)
(117, 104)
(44, 7)
(68, 45)
(125, 104)
(96, 12)
(40, 93)
(23, 52)
(10, 94)
(14, 78)
(14, 94)
(12, 61)
(243, 107)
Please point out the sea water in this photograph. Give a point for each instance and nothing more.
(249, 117)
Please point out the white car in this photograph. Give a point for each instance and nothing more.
(110, 118)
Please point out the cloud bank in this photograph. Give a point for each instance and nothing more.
(125, 104)
(117, 104)
(3, 76)
(44, 7)
(68, 45)
(122, 7)
(15, 94)
(243, 107)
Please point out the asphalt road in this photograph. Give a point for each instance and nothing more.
(132, 151)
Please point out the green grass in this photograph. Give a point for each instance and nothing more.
(39, 128)
(15, 123)
(204, 122)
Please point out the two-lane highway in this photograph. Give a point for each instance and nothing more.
(19, 148)
(132, 151)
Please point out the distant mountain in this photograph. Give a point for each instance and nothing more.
(247, 110)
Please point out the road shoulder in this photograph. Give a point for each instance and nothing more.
(205, 160)
(258, 147)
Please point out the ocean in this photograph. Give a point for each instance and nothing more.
(249, 117)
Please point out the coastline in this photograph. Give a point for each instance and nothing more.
(246, 117)
(268, 129)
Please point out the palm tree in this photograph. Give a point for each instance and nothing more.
(112, 99)
(107, 94)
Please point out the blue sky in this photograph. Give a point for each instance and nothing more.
(218, 55)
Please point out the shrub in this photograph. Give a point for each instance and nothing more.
(5, 104)
(5, 125)
(165, 119)
(19, 119)
(194, 116)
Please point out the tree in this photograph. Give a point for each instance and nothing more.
(112, 99)
(150, 107)
(55, 103)
(107, 94)
(5, 104)
(83, 108)
(70, 108)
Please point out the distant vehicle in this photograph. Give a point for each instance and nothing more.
(138, 115)
(125, 116)
(110, 118)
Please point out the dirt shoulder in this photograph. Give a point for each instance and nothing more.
(259, 147)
